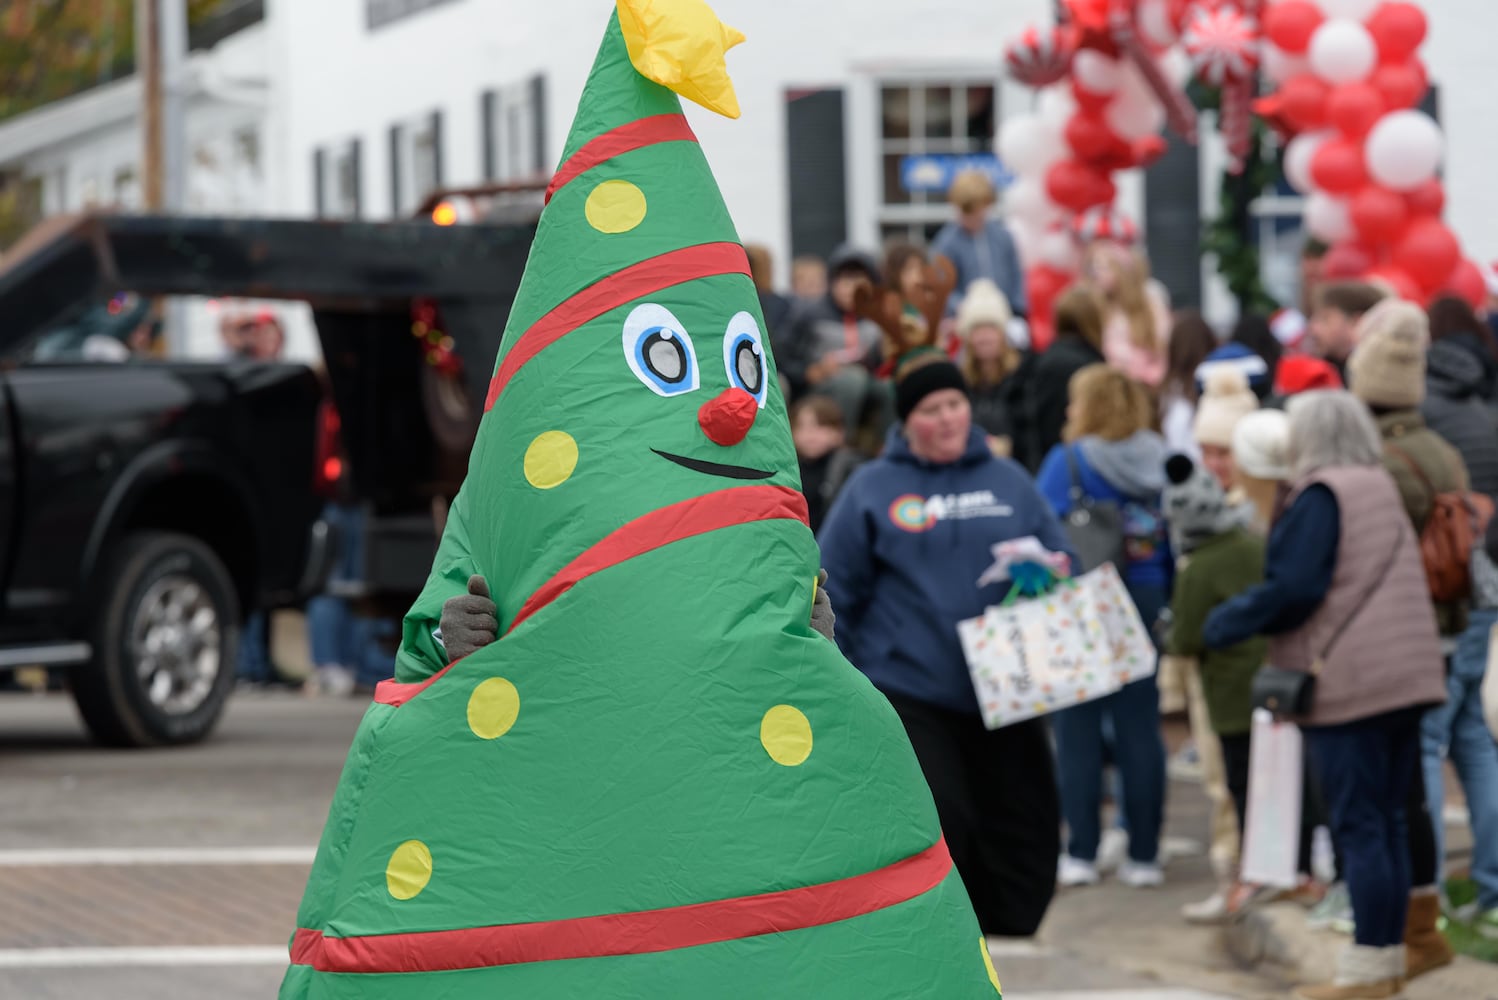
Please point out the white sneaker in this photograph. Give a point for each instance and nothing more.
(1141, 874)
(1209, 912)
(1072, 872)
(1113, 850)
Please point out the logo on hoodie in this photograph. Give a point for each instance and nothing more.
(916, 514)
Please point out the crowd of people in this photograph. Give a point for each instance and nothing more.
(1305, 495)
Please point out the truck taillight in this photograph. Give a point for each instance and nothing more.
(329, 460)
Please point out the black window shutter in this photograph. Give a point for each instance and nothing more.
(437, 171)
(356, 153)
(1172, 223)
(817, 171)
(395, 171)
(486, 131)
(319, 183)
(538, 122)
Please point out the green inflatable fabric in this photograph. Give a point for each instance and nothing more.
(659, 782)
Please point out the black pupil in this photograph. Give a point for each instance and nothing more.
(751, 371)
(665, 356)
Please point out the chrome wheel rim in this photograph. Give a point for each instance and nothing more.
(175, 642)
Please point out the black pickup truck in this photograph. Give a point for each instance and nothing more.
(146, 506)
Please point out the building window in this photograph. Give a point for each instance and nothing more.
(926, 127)
(514, 128)
(378, 13)
(337, 174)
(415, 162)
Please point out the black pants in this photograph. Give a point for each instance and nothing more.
(1000, 811)
(1235, 761)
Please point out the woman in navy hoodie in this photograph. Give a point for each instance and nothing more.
(1117, 458)
(904, 546)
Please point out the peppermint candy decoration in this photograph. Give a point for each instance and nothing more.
(1041, 57)
(1223, 44)
(1104, 222)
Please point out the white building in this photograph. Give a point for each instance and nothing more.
(350, 108)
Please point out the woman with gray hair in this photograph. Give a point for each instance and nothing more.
(1344, 598)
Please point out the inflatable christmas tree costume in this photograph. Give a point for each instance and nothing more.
(659, 782)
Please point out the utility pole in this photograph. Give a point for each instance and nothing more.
(160, 61)
(148, 67)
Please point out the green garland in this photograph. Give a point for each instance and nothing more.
(1227, 234)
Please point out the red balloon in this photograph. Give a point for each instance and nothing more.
(1148, 150)
(1427, 252)
(1077, 186)
(1088, 100)
(1427, 199)
(1095, 144)
(1467, 283)
(1304, 101)
(1355, 108)
(1346, 261)
(1291, 23)
(1043, 283)
(1378, 214)
(1401, 84)
(1398, 28)
(1400, 282)
(1338, 167)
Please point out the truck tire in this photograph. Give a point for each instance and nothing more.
(165, 638)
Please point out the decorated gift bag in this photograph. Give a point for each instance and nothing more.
(1271, 831)
(1132, 652)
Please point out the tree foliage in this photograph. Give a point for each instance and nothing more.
(51, 49)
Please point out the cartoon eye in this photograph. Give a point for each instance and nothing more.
(659, 351)
(744, 357)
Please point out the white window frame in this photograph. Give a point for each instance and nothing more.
(511, 131)
(336, 200)
(419, 145)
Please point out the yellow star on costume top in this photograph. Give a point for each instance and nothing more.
(681, 44)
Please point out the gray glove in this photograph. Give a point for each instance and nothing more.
(469, 621)
(822, 618)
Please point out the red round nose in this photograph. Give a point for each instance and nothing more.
(726, 420)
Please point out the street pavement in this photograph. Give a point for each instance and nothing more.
(175, 874)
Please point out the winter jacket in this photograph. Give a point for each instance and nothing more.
(1130, 473)
(823, 478)
(990, 254)
(1487, 386)
(993, 406)
(1139, 363)
(1219, 569)
(819, 329)
(1407, 440)
(904, 546)
(1047, 393)
(1455, 409)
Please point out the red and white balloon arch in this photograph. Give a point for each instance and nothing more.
(1111, 74)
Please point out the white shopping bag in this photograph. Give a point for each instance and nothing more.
(1271, 835)
(1037, 656)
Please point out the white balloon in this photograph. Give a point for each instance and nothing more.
(1343, 51)
(1060, 251)
(1154, 22)
(1096, 73)
(1298, 156)
(1280, 65)
(1026, 238)
(1404, 150)
(1176, 65)
(1056, 105)
(1028, 145)
(1357, 10)
(1026, 200)
(1135, 115)
(1327, 218)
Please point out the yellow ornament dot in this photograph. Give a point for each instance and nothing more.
(493, 708)
(615, 207)
(786, 735)
(550, 459)
(409, 870)
(993, 974)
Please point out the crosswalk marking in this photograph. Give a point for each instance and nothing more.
(63, 857)
(78, 958)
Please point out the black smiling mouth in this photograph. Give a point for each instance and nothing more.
(713, 468)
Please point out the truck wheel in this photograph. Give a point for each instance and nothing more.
(165, 643)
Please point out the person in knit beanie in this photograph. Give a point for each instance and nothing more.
(1223, 560)
(1226, 400)
(1261, 455)
(1386, 369)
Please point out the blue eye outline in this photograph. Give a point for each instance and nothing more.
(650, 326)
(743, 333)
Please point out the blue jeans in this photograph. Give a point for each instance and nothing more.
(1366, 768)
(338, 636)
(254, 654)
(1138, 751)
(1457, 730)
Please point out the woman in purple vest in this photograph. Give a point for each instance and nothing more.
(1345, 596)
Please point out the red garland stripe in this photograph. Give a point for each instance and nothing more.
(637, 933)
(616, 142)
(636, 281)
(694, 516)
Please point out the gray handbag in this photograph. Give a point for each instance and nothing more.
(1095, 527)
